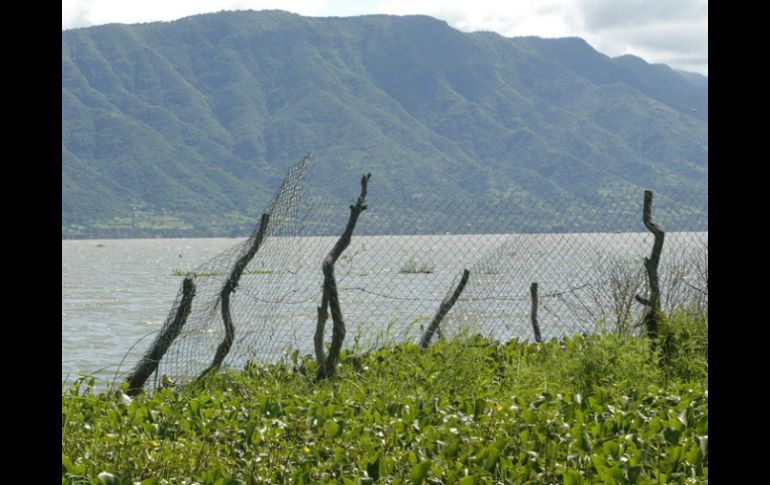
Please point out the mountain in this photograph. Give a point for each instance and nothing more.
(697, 79)
(187, 127)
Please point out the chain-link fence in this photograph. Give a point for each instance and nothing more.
(405, 258)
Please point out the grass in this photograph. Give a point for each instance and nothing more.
(180, 272)
(412, 267)
(598, 409)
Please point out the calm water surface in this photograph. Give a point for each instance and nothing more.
(116, 294)
(116, 291)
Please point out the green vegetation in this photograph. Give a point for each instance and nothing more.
(412, 267)
(202, 116)
(603, 409)
(181, 272)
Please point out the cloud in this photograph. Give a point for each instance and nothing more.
(661, 31)
(82, 13)
(597, 15)
(656, 30)
(513, 18)
(75, 13)
(671, 32)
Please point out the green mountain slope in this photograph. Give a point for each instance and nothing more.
(186, 127)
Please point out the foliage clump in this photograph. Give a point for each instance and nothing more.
(597, 409)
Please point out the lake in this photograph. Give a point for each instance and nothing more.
(116, 294)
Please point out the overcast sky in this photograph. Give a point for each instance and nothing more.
(673, 32)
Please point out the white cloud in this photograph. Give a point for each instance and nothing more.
(661, 31)
(82, 13)
(657, 30)
(544, 18)
(672, 32)
(601, 14)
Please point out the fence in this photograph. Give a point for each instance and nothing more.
(406, 258)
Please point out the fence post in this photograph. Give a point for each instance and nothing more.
(151, 359)
(652, 315)
(443, 309)
(330, 298)
(533, 315)
(229, 287)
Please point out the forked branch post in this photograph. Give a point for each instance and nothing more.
(229, 287)
(330, 298)
(652, 314)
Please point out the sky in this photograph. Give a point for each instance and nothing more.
(659, 31)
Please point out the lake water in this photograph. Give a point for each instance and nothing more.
(116, 294)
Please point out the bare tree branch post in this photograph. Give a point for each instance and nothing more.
(330, 298)
(229, 287)
(533, 315)
(318, 338)
(443, 309)
(160, 346)
(652, 314)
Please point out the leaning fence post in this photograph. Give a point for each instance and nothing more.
(652, 315)
(229, 287)
(533, 315)
(330, 298)
(443, 309)
(151, 359)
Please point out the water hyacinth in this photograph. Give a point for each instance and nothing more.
(599, 409)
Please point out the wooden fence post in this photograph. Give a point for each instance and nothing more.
(533, 315)
(652, 314)
(229, 287)
(330, 299)
(151, 359)
(443, 309)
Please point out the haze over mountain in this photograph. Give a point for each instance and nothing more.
(192, 124)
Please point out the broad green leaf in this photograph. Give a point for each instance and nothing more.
(491, 459)
(250, 431)
(703, 443)
(529, 416)
(692, 455)
(613, 474)
(634, 472)
(479, 407)
(332, 428)
(451, 449)
(419, 472)
(674, 454)
(66, 463)
(585, 442)
(611, 448)
(598, 462)
(227, 481)
(70, 467)
(672, 435)
(373, 467)
(572, 477)
(339, 454)
(682, 417)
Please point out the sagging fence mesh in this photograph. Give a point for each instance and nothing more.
(404, 260)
